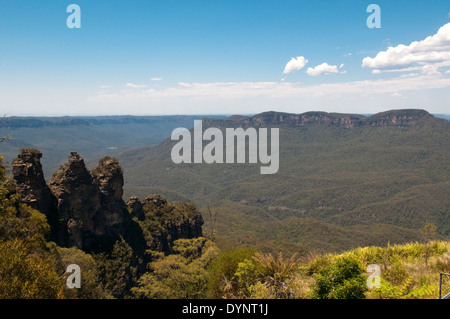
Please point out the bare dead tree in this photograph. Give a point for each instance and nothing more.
(212, 222)
(5, 121)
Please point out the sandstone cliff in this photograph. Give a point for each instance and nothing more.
(389, 118)
(31, 185)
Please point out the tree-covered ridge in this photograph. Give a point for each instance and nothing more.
(344, 181)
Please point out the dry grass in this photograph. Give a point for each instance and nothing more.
(407, 271)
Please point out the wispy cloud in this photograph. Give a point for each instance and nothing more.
(156, 79)
(244, 90)
(405, 91)
(135, 86)
(295, 64)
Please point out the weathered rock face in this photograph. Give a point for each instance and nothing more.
(108, 177)
(136, 208)
(305, 119)
(81, 221)
(157, 200)
(31, 185)
(86, 209)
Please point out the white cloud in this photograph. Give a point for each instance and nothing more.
(135, 86)
(404, 91)
(429, 54)
(105, 86)
(156, 79)
(323, 69)
(295, 64)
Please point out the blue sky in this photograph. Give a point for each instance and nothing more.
(222, 56)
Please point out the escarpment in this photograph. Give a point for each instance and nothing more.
(389, 118)
(85, 208)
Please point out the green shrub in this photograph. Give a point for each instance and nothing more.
(179, 276)
(26, 276)
(342, 279)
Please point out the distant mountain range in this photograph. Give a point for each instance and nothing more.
(345, 180)
(92, 136)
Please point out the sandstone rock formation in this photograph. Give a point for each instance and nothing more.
(27, 171)
(85, 209)
(31, 185)
(136, 208)
(81, 221)
(108, 176)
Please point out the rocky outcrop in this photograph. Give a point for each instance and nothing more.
(85, 209)
(30, 181)
(108, 176)
(166, 222)
(180, 220)
(135, 208)
(81, 221)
